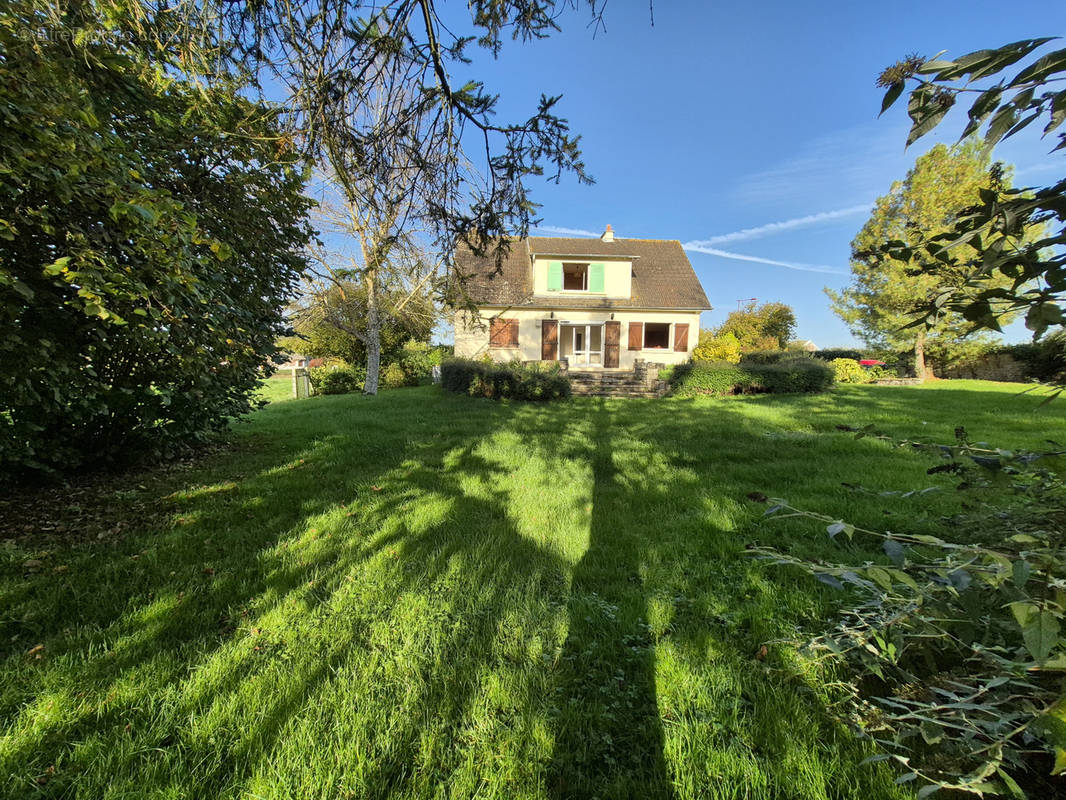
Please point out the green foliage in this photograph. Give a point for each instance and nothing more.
(689, 380)
(394, 377)
(990, 247)
(417, 360)
(831, 353)
(766, 327)
(848, 370)
(792, 376)
(318, 337)
(336, 379)
(713, 348)
(150, 229)
(504, 381)
(954, 651)
(798, 375)
(887, 293)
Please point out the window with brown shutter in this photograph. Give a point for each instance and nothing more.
(636, 335)
(680, 337)
(503, 333)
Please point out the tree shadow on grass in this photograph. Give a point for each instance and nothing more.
(609, 740)
(427, 616)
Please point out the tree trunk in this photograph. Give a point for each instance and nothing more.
(919, 356)
(373, 333)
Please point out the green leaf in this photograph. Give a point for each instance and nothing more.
(1021, 572)
(57, 266)
(1040, 629)
(893, 93)
(881, 577)
(1041, 69)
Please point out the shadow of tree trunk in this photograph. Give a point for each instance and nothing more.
(609, 739)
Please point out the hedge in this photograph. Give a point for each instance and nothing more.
(800, 374)
(500, 381)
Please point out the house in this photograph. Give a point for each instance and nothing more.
(595, 303)
(803, 344)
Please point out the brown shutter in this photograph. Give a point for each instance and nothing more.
(612, 335)
(503, 332)
(549, 340)
(636, 335)
(681, 337)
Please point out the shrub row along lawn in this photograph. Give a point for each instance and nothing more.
(422, 594)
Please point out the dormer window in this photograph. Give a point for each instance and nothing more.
(576, 276)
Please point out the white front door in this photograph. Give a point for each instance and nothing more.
(587, 345)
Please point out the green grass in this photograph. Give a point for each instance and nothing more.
(425, 595)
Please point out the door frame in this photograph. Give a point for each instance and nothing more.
(586, 327)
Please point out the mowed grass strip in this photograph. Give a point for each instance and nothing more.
(425, 595)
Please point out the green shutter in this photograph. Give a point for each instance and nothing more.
(596, 278)
(555, 276)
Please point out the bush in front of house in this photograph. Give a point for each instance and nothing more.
(504, 381)
(800, 374)
(689, 380)
(336, 379)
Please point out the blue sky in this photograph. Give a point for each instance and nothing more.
(750, 129)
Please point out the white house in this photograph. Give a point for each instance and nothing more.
(597, 303)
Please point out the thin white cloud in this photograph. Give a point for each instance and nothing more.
(696, 247)
(785, 225)
(702, 247)
(565, 231)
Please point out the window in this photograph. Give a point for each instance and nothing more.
(503, 333)
(656, 335)
(575, 277)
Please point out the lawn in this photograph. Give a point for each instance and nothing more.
(426, 595)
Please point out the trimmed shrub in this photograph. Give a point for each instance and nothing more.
(504, 381)
(336, 379)
(795, 375)
(690, 379)
(848, 370)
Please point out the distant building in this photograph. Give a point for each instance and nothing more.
(803, 344)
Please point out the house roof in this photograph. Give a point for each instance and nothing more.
(662, 274)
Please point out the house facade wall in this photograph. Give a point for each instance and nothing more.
(472, 340)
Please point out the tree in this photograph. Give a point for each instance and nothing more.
(150, 231)
(765, 327)
(332, 59)
(326, 314)
(1004, 270)
(886, 293)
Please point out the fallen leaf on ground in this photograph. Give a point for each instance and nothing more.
(36, 650)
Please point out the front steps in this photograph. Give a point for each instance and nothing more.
(613, 384)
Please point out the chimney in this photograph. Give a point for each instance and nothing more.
(608, 235)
